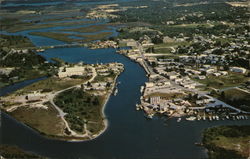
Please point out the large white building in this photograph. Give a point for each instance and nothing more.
(70, 71)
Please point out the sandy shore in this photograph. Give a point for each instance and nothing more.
(105, 120)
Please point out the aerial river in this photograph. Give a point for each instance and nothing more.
(129, 135)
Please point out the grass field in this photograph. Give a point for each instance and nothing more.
(46, 121)
(51, 84)
(237, 98)
(172, 44)
(166, 96)
(230, 80)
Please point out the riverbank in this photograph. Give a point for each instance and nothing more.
(227, 141)
(105, 120)
(39, 99)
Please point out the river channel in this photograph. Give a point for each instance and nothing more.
(129, 135)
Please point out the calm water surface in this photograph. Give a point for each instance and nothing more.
(129, 135)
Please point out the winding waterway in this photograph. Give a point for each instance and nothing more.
(129, 135)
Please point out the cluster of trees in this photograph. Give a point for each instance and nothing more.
(26, 64)
(158, 12)
(80, 107)
(211, 134)
(17, 41)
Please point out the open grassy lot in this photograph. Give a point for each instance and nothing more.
(166, 96)
(162, 50)
(230, 80)
(172, 44)
(46, 121)
(66, 37)
(237, 98)
(81, 107)
(51, 84)
(227, 141)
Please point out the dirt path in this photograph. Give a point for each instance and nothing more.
(62, 114)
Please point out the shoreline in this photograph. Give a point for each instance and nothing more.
(105, 120)
(74, 137)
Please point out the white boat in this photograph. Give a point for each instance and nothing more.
(115, 92)
(192, 118)
(217, 117)
(137, 107)
(210, 118)
(150, 116)
(142, 87)
(178, 120)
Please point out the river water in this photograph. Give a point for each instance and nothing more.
(129, 135)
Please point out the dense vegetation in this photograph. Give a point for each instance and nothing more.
(10, 41)
(81, 108)
(26, 63)
(220, 141)
(168, 16)
(14, 152)
(174, 11)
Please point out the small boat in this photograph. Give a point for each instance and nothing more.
(137, 107)
(217, 117)
(210, 118)
(115, 92)
(142, 87)
(178, 120)
(233, 117)
(198, 144)
(192, 118)
(150, 116)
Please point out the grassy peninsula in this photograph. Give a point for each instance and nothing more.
(227, 142)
